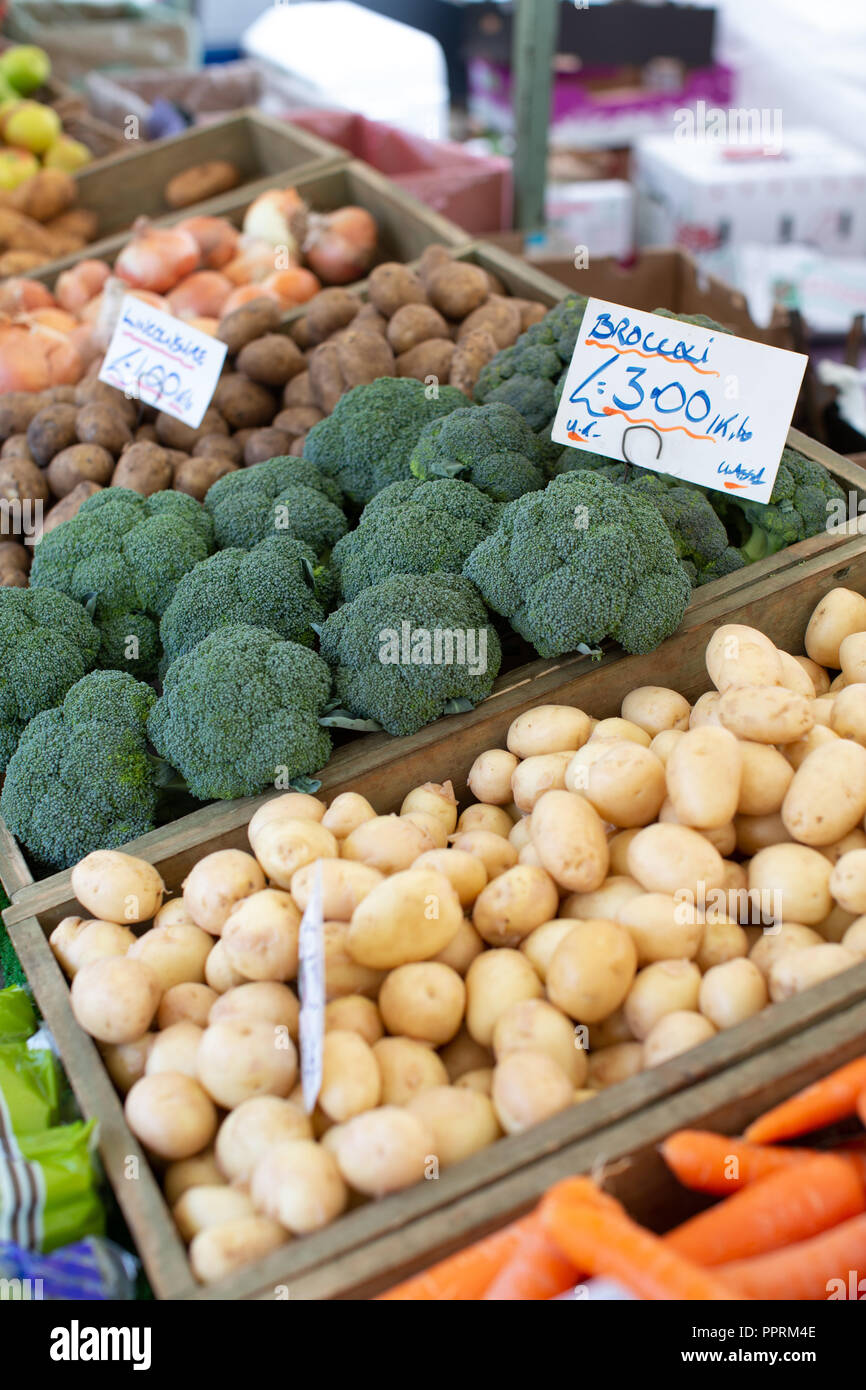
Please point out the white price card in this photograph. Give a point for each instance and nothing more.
(161, 360)
(311, 982)
(701, 405)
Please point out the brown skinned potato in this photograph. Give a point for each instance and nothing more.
(145, 468)
(175, 434)
(271, 360)
(430, 359)
(392, 285)
(470, 355)
(52, 428)
(69, 505)
(217, 445)
(105, 426)
(328, 312)
(264, 444)
(77, 464)
(196, 475)
(244, 404)
(413, 324)
(456, 289)
(251, 321)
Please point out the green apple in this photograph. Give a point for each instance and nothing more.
(31, 126)
(67, 154)
(15, 167)
(25, 67)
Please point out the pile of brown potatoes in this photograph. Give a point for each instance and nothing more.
(619, 891)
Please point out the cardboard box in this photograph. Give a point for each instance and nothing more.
(666, 277)
(597, 214)
(701, 194)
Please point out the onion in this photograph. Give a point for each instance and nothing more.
(277, 217)
(205, 325)
(217, 239)
(200, 295)
(23, 363)
(244, 294)
(254, 261)
(57, 319)
(76, 287)
(156, 258)
(340, 245)
(293, 286)
(18, 295)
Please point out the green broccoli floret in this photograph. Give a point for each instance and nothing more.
(699, 320)
(402, 651)
(525, 375)
(81, 777)
(269, 586)
(239, 712)
(122, 555)
(728, 562)
(803, 497)
(286, 495)
(367, 440)
(47, 643)
(579, 562)
(413, 528)
(490, 445)
(698, 534)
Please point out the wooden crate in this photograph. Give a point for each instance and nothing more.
(384, 771)
(624, 1157)
(326, 177)
(779, 592)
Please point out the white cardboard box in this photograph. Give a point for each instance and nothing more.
(705, 194)
(596, 215)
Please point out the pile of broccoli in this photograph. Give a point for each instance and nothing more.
(284, 496)
(403, 652)
(121, 556)
(367, 440)
(413, 528)
(580, 562)
(490, 445)
(81, 777)
(47, 643)
(239, 712)
(467, 509)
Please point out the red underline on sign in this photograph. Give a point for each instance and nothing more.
(155, 347)
(653, 357)
(665, 429)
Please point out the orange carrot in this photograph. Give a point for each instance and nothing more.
(832, 1264)
(832, 1098)
(715, 1163)
(791, 1205)
(537, 1269)
(467, 1274)
(601, 1239)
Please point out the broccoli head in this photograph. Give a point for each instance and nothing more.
(579, 562)
(401, 651)
(490, 445)
(525, 375)
(413, 528)
(81, 777)
(240, 711)
(801, 502)
(367, 440)
(47, 643)
(286, 495)
(122, 555)
(269, 586)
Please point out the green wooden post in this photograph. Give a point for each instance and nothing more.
(535, 28)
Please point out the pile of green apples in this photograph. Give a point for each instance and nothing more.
(31, 136)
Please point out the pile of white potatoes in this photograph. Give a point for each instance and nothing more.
(605, 904)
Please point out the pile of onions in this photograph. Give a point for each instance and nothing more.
(340, 246)
(277, 217)
(216, 239)
(76, 287)
(156, 258)
(19, 295)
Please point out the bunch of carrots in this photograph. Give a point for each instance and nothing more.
(792, 1220)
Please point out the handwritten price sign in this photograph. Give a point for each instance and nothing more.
(702, 405)
(162, 361)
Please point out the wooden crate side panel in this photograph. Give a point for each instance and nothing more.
(625, 1154)
(126, 1166)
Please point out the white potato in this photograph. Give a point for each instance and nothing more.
(117, 887)
(216, 883)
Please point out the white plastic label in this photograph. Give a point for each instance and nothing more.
(311, 982)
(161, 360)
(701, 405)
